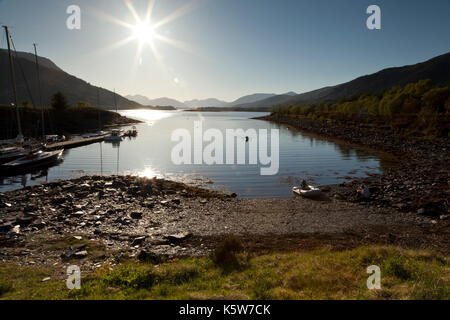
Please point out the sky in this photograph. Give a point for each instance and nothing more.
(227, 48)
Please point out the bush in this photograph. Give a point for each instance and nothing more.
(225, 254)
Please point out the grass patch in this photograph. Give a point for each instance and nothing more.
(319, 274)
(5, 287)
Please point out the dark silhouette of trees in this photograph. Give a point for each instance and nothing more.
(59, 101)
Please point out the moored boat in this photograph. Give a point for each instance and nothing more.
(32, 160)
(307, 191)
(116, 136)
(54, 138)
(11, 153)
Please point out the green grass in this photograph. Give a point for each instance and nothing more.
(318, 274)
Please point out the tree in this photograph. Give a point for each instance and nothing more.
(59, 101)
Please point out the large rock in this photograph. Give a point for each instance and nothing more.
(74, 251)
(137, 241)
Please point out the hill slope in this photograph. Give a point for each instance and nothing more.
(437, 69)
(251, 98)
(53, 79)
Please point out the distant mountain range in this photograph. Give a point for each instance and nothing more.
(53, 79)
(205, 103)
(160, 102)
(211, 102)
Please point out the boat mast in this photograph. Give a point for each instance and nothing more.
(115, 101)
(98, 111)
(40, 93)
(13, 79)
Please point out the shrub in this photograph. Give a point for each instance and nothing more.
(225, 254)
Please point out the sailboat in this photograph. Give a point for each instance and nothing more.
(12, 152)
(116, 134)
(25, 160)
(32, 161)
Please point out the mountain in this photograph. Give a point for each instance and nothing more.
(202, 103)
(251, 98)
(437, 69)
(269, 102)
(139, 99)
(43, 62)
(160, 102)
(167, 102)
(212, 102)
(53, 79)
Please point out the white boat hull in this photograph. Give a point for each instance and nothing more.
(311, 192)
(39, 158)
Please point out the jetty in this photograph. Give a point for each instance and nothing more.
(75, 143)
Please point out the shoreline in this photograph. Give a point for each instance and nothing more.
(416, 184)
(135, 217)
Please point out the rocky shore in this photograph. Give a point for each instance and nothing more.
(94, 220)
(419, 180)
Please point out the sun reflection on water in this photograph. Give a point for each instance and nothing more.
(148, 116)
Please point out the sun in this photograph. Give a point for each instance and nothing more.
(143, 32)
(147, 32)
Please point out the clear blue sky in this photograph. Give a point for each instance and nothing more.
(229, 48)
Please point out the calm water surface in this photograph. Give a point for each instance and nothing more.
(301, 156)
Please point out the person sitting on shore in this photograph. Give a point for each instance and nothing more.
(304, 185)
(364, 192)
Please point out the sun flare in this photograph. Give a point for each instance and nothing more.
(143, 32)
(147, 32)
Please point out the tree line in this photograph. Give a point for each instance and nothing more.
(59, 102)
(416, 108)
